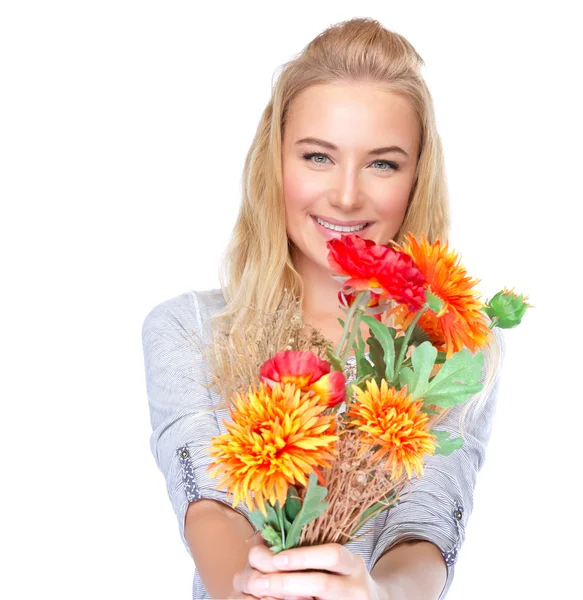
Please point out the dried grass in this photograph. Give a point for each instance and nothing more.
(354, 483)
(230, 365)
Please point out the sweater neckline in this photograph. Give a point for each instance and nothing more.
(352, 359)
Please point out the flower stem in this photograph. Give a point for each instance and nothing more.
(408, 334)
(351, 336)
(349, 318)
(279, 512)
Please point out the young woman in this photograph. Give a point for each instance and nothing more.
(347, 140)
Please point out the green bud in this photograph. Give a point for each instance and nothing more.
(506, 309)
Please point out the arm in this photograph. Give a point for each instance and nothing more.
(210, 529)
(209, 525)
(410, 570)
(436, 507)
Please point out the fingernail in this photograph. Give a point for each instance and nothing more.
(280, 560)
(261, 583)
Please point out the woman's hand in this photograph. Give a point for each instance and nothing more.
(324, 572)
(245, 577)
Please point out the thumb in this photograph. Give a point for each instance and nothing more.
(260, 556)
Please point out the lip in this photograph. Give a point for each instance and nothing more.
(329, 234)
(342, 223)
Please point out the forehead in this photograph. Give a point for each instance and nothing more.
(353, 116)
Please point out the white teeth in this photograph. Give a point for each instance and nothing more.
(339, 227)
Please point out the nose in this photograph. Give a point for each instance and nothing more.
(346, 195)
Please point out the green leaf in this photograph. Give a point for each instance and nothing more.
(271, 536)
(365, 367)
(383, 335)
(293, 504)
(416, 379)
(399, 344)
(341, 322)
(377, 355)
(458, 378)
(333, 359)
(272, 516)
(312, 507)
(392, 331)
(284, 525)
(358, 346)
(440, 358)
(257, 519)
(445, 445)
(287, 523)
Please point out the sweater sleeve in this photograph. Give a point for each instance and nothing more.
(180, 432)
(438, 504)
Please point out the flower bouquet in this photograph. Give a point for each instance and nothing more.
(315, 457)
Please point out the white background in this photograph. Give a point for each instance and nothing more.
(123, 131)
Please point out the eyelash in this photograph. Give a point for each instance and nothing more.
(391, 164)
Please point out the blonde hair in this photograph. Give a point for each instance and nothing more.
(256, 267)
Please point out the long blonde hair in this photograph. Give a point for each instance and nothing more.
(256, 267)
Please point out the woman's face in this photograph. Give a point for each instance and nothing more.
(357, 167)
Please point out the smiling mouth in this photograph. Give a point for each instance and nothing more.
(341, 228)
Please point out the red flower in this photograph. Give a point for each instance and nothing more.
(383, 269)
(308, 372)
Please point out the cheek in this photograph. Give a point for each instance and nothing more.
(393, 205)
(299, 189)
(391, 208)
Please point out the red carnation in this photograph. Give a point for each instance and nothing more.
(382, 269)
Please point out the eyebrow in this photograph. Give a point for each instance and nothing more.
(375, 152)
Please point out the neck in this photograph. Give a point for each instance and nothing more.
(320, 290)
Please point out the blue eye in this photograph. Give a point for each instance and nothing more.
(391, 165)
(310, 155)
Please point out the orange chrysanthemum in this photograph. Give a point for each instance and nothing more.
(278, 436)
(392, 420)
(461, 322)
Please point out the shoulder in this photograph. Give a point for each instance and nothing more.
(186, 312)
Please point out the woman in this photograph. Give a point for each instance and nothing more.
(348, 139)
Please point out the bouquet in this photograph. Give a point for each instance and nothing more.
(315, 456)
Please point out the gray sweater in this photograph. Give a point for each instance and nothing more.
(436, 509)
